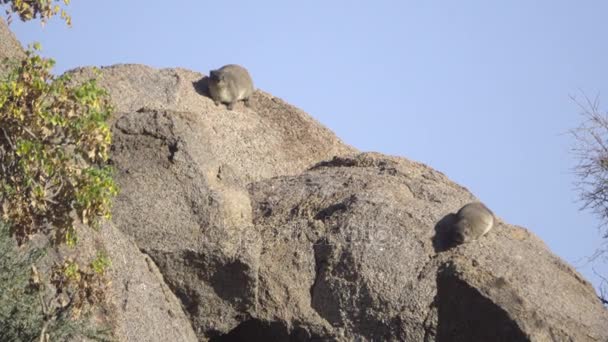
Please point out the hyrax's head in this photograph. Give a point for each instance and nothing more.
(463, 232)
(217, 77)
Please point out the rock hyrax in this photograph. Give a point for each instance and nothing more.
(230, 84)
(473, 221)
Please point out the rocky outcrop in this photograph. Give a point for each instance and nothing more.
(184, 165)
(273, 139)
(355, 243)
(263, 233)
(264, 226)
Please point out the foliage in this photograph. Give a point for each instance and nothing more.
(83, 286)
(54, 145)
(100, 264)
(32, 9)
(26, 311)
(20, 316)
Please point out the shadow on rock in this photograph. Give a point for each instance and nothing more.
(464, 314)
(257, 330)
(444, 237)
(202, 86)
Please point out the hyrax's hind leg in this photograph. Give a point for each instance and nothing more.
(217, 102)
(247, 102)
(230, 105)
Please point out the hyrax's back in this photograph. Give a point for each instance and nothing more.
(474, 220)
(240, 78)
(476, 211)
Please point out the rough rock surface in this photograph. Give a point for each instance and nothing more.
(140, 306)
(273, 138)
(10, 48)
(355, 242)
(183, 167)
(266, 227)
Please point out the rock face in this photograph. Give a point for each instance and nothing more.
(264, 226)
(184, 165)
(10, 48)
(353, 243)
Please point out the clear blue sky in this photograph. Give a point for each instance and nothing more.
(476, 89)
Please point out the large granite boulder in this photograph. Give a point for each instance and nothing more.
(184, 165)
(267, 227)
(355, 249)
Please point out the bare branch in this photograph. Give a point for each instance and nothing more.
(591, 150)
(603, 288)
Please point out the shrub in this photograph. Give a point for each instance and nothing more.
(54, 144)
(27, 310)
(31, 9)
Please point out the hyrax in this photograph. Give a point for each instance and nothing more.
(473, 221)
(230, 84)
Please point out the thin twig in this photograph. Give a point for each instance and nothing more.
(53, 195)
(29, 132)
(8, 139)
(45, 313)
(43, 332)
(603, 296)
